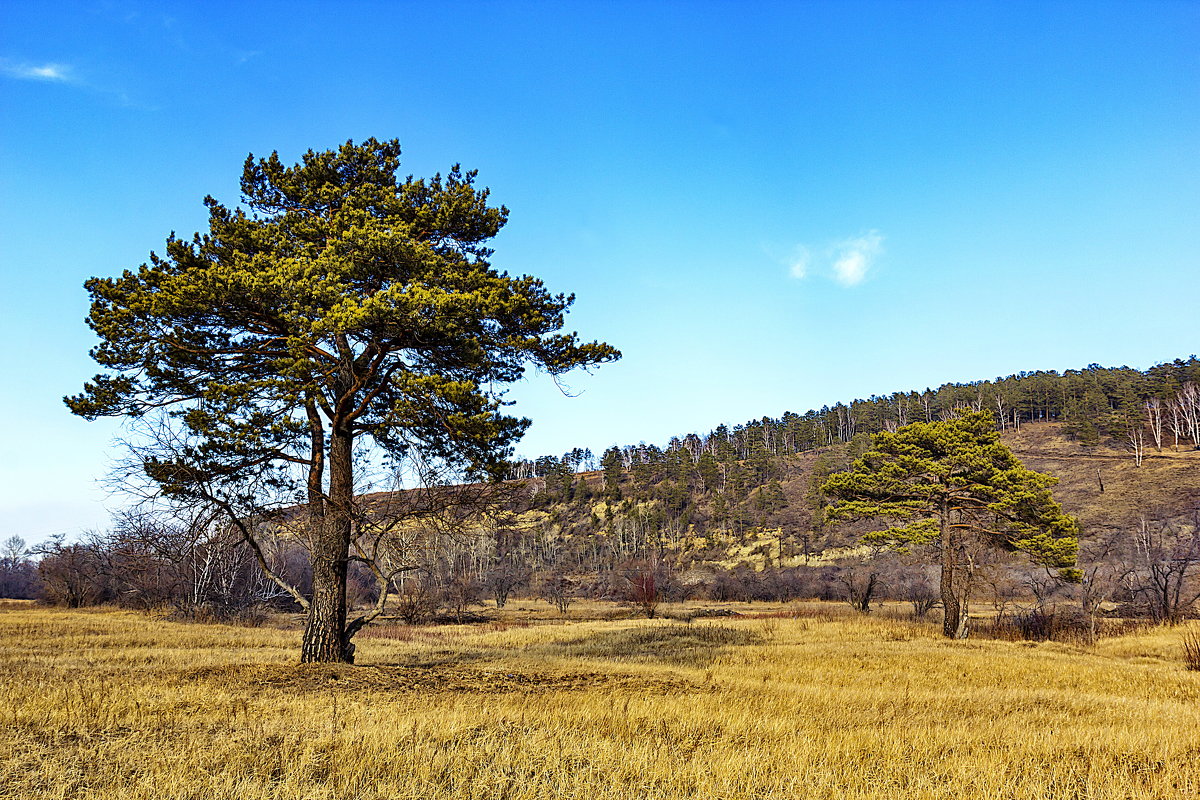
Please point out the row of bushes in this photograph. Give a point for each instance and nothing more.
(220, 580)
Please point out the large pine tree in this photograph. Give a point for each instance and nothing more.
(343, 305)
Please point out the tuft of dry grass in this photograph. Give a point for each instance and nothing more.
(1191, 649)
(121, 706)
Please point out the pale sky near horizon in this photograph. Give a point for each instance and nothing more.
(766, 206)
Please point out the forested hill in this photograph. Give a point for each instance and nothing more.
(1094, 404)
(1122, 442)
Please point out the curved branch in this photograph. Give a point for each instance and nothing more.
(259, 556)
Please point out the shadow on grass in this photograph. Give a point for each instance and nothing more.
(678, 645)
(470, 676)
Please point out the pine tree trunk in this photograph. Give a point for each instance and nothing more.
(325, 639)
(323, 633)
(953, 623)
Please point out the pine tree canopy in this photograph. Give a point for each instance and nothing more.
(955, 473)
(341, 291)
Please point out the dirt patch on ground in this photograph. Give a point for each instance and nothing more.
(312, 678)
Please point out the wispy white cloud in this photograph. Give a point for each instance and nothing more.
(36, 72)
(854, 258)
(846, 261)
(53, 72)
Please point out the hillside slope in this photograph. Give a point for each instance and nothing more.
(1166, 485)
(773, 517)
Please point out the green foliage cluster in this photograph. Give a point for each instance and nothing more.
(955, 475)
(341, 291)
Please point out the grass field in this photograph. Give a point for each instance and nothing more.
(118, 705)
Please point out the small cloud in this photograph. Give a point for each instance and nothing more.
(63, 74)
(798, 268)
(846, 261)
(36, 72)
(854, 257)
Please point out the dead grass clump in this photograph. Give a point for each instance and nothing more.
(495, 626)
(690, 614)
(394, 631)
(251, 616)
(1071, 626)
(1191, 649)
(781, 614)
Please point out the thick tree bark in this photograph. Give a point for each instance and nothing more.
(954, 621)
(316, 467)
(325, 639)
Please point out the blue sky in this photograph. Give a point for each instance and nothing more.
(767, 207)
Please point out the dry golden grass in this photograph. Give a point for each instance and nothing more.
(117, 705)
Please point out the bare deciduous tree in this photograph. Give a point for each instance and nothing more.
(559, 589)
(18, 573)
(1135, 437)
(1163, 568)
(1154, 420)
(1187, 405)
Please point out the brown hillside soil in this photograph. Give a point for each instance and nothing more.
(1166, 485)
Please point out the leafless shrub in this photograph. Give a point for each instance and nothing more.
(922, 593)
(73, 575)
(1163, 568)
(1044, 623)
(862, 583)
(459, 593)
(416, 603)
(504, 577)
(648, 583)
(559, 590)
